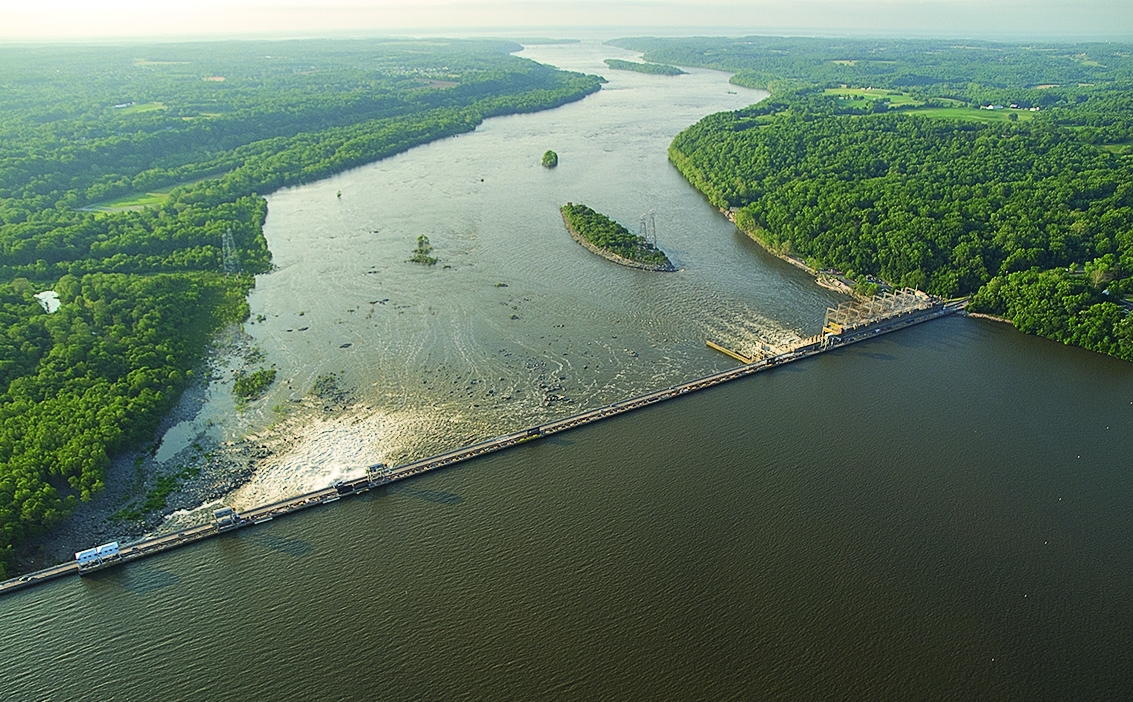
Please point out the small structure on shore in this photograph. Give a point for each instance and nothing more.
(98, 557)
(49, 300)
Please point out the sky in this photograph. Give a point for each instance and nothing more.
(36, 20)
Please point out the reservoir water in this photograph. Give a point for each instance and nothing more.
(941, 513)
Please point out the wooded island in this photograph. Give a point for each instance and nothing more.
(611, 240)
(657, 69)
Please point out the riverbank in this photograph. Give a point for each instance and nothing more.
(826, 280)
(795, 261)
(186, 449)
(204, 468)
(615, 258)
(992, 317)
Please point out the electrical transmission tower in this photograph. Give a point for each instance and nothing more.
(648, 229)
(231, 262)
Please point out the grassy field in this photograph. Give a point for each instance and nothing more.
(896, 97)
(132, 202)
(141, 107)
(147, 62)
(138, 201)
(203, 115)
(971, 114)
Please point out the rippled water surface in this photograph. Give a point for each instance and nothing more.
(517, 322)
(941, 513)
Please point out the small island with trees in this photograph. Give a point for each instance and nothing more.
(611, 240)
(252, 386)
(421, 253)
(550, 159)
(656, 69)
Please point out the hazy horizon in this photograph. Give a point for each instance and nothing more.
(68, 20)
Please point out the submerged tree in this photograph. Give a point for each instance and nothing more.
(550, 159)
(252, 386)
(421, 253)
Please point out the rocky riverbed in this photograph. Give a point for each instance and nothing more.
(158, 488)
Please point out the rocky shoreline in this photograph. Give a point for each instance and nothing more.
(992, 317)
(620, 260)
(207, 469)
(822, 278)
(795, 261)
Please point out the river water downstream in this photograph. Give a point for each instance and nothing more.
(941, 513)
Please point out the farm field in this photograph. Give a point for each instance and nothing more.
(972, 114)
(896, 97)
(141, 107)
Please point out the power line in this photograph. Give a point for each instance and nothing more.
(228, 253)
(648, 228)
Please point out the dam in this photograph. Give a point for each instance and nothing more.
(846, 324)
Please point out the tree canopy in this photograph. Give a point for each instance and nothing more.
(657, 69)
(608, 235)
(900, 159)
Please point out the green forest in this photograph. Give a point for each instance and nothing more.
(610, 236)
(657, 69)
(188, 137)
(1003, 172)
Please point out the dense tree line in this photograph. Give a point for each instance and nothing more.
(942, 67)
(657, 69)
(142, 291)
(93, 377)
(179, 235)
(1061, 306)
(1034, 218)
(607, 234)
(926, 203)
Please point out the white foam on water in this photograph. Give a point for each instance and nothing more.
(325, 450)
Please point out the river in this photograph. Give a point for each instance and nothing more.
(941, 513)
(516, 324)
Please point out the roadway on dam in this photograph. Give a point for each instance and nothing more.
(379, 475)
